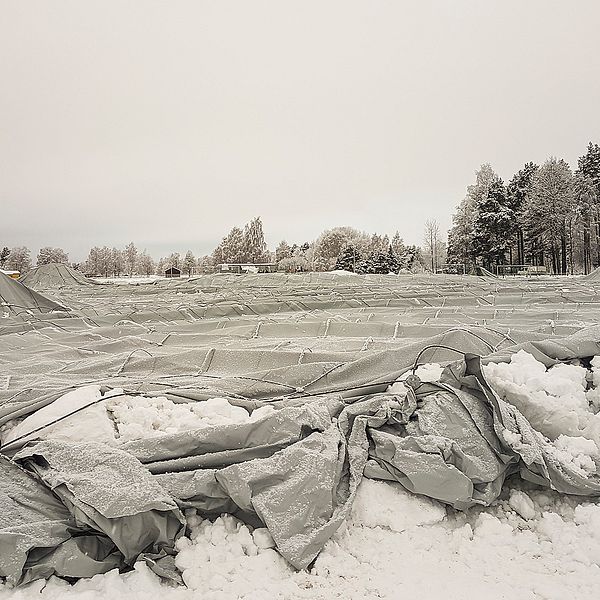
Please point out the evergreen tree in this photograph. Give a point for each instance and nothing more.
(4, 253)
(492, 225)
(460, 236)
(282, 251)
(348, 259)
(517, 193)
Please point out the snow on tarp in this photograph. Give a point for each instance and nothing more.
(54, 275)
(323, 361)
(17, 300)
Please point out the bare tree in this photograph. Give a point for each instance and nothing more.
(432, 242)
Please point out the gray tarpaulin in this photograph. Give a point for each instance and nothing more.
(322, 352)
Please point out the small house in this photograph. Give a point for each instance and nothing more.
(173, 272)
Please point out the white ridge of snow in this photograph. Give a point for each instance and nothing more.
(531, 544)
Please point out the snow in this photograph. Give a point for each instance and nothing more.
(89, 423)
(141, 417)
(557, 403)
(116, 417)
(530, 544)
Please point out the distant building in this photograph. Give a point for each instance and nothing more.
(11, 274)
(173, 272)
(247, 268)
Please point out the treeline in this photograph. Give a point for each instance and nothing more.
(546, 215)
(343, 248)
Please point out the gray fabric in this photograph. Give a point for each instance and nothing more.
(109, 491)
(54, 275)
(322, 350)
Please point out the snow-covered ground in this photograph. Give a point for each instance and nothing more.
(133, 280)
(531, 544)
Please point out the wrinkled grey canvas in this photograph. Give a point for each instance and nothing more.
(322, 351)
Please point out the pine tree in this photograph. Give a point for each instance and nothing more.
(588, 167)
(460, 236)
(517, 193)
(4, 253)
(348, 258)
(492, 225)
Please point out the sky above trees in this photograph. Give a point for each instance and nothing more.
(171, 122)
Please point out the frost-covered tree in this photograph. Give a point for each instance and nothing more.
(4, 253)
(117, 262)
(49, 255)
(19, 259)
(493, 224)
(130, 257)
(588, 168)
(294, 264)
(349, 258)
(549, 214)
(173, 260)
(586, 203)
(145, 264)
(432, 243)
(331, 242)
(518, 191)
(205, 264)
(460, 236)
(282, 251)
(254, 242)
(189, 263)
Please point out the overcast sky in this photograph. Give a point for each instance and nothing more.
(167, 123)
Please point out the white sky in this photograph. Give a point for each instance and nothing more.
(167, 123)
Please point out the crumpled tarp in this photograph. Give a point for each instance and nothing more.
(295, 470)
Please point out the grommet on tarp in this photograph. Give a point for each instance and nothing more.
(413, 381)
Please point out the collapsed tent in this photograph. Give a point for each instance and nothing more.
(17, 300)
(54, 275)
(323, 371)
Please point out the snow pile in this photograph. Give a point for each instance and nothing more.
(531, 544)
(223, 559)
(79, 415)
(557, 403)
(140, 417)
(86, 415)
(382, 504)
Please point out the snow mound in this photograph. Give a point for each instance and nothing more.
(557, 403)
(223, 559)
(139, 417)
(383, 504)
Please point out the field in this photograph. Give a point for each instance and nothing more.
(316, 354)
